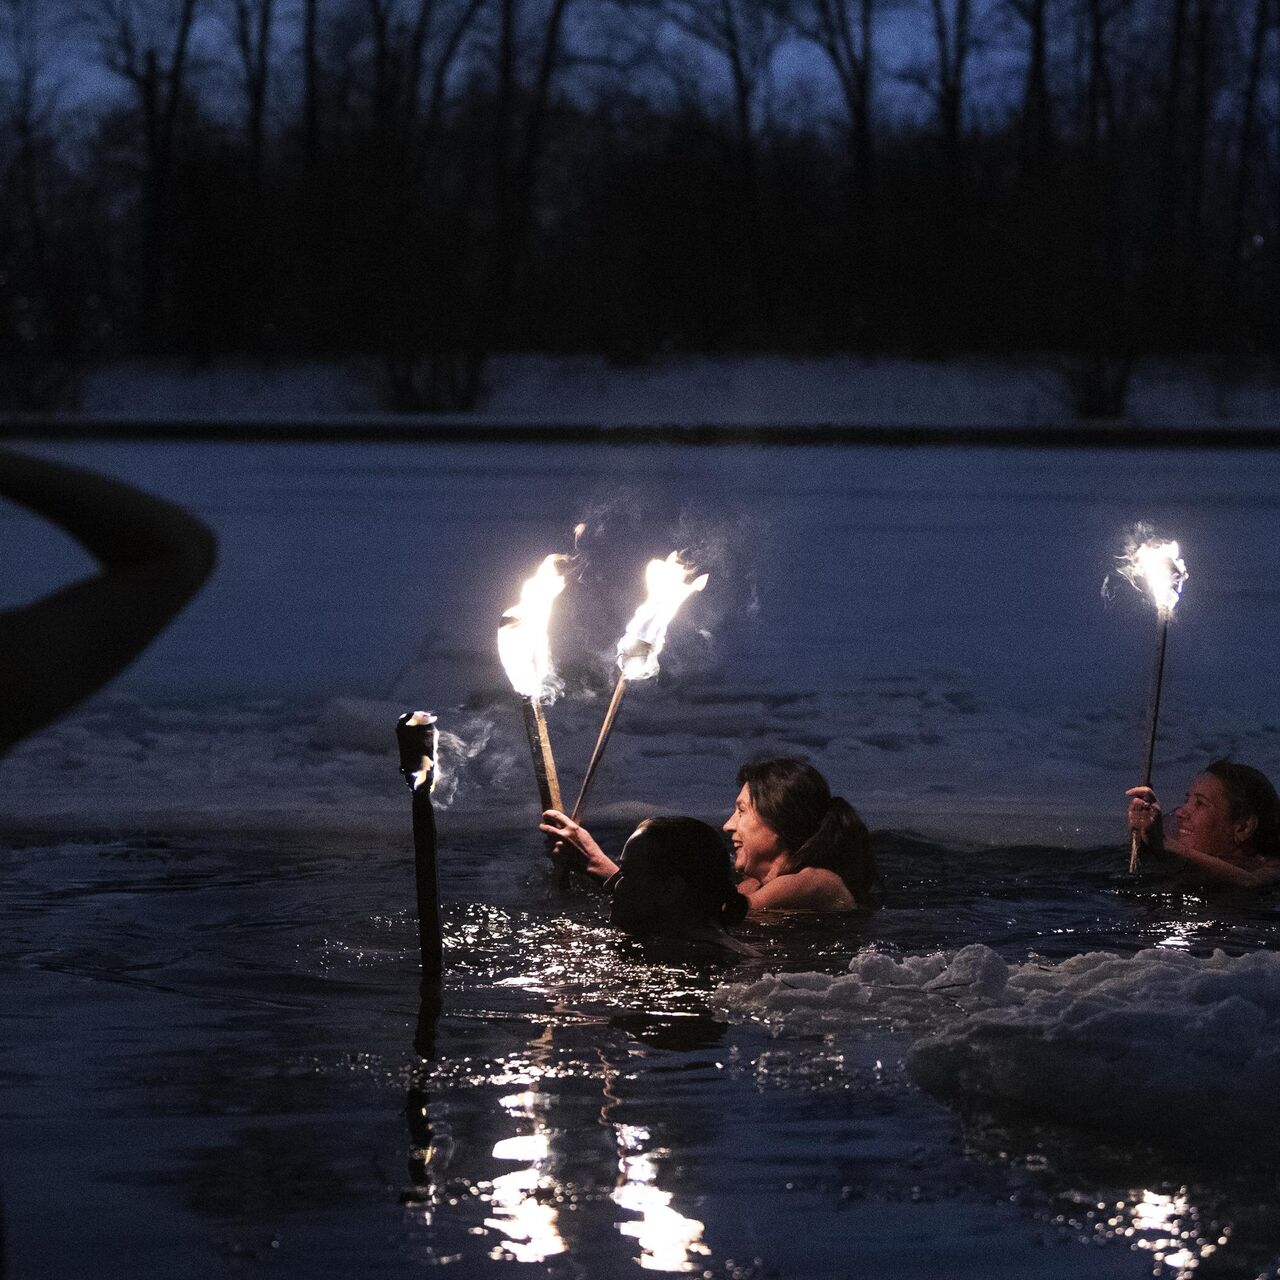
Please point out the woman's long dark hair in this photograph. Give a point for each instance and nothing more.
(816, 828)
(1251, 795)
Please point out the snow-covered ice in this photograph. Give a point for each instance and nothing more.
(1166, 1045)
(753, 390)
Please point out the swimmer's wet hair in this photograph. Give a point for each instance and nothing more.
(694, 852)
(1251, 795)
(816, 828)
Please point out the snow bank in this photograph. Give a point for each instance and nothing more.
(773, 389)
(922, 751)
(1162, 1044)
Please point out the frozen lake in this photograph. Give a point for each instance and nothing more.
(217, 1061)
(926, 623)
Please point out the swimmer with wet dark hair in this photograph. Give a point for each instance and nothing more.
(673, 879)
(796, 846)
(1227, 829)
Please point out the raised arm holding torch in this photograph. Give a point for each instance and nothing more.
(669, 584)
(1156, 569)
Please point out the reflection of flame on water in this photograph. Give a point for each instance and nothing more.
(523, 644)
(1168, 1227)
(1181, 935)
(1177, 1240)
(1155, 568)
(669, 584)
(530, 1226)
(668, 1241)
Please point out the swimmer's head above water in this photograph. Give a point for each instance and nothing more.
(786, 822)
(796, 846)
(1226, 831)
(674, 880)
(1250, 799)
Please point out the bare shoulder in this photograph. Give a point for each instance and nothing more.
(811, 889)
(1267, 872)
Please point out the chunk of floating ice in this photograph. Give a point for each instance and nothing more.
(1172, 1047)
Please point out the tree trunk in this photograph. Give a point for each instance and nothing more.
(1248, 113)
(310, 85)
(758, 249)
(253, 43)
(1037, 111)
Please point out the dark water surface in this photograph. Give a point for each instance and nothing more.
(216, 1062)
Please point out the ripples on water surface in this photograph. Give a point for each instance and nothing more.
(217, 1061)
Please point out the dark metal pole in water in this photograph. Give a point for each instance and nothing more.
(1162, 640)
(419, 739)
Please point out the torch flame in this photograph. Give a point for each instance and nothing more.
(669, 583)
(523, 644)
(1157, 569)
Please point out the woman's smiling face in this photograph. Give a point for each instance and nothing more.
(1204, 820)
(756, 846)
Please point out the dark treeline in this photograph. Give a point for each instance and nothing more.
(429, 182)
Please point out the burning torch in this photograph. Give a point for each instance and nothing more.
(668, 583)
(1156, 569)
(525, 651)
(418, 737)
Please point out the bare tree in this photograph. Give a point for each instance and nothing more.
(457, 226)
(1107, 256)
(147, 43)
(38, 317)
(1036, 122)
(845, 32)
(944, 79)
(310, 79)
(745, 34)
(528, 55)
(252, 31)
(28, 112)
(1246, 161)
(415, 47)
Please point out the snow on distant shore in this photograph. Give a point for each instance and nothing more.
(753, 390)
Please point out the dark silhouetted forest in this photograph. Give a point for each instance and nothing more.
(430, 182)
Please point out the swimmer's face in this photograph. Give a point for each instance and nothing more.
(756, 846)
(1204, 820)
